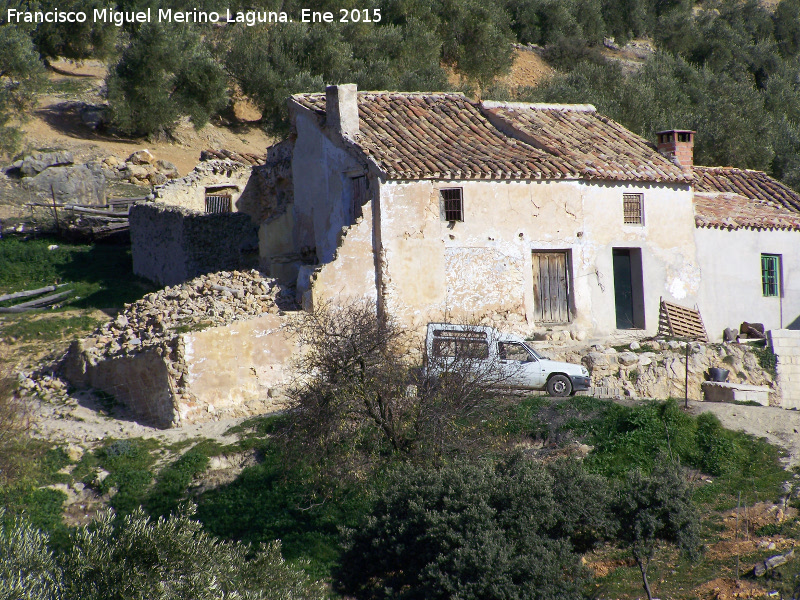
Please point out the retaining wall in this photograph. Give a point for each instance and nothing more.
(785, 343)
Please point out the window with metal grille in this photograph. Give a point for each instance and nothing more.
(218, 203)
(771, 274)
(452, 204)
(633, 209)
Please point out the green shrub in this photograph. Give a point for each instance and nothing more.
(129, 464)
(174, 479)
(767, 359)
(28, 570)
(465, 531)
(718, 453)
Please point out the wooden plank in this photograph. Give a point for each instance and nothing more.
(681, 321)
(26, 293)
(537, 292)
(38, 303)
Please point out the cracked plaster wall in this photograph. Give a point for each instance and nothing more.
(482, 266)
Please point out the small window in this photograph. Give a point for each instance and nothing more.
(633, 209)
(218, 203)
(771, 274)
(452, 205)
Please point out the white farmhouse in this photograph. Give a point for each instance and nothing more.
(529, 215)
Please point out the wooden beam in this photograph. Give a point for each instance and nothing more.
(26, 293)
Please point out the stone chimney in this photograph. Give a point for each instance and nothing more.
(342, 109)
(677, 145)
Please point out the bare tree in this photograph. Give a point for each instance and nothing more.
(361, 391)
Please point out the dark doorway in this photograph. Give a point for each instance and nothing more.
(551, 287)
(628, 288)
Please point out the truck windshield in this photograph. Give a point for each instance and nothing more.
(534, 352)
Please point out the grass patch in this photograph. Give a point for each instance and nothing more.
(48, 328)
(634, 437)
(100, 275)
(129, 465)
(270, 501)
(173, 480)
(68, 86)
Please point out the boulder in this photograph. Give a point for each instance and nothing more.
(141, 157)
(595, 360)
(627, 358)
(167, 168)
(635, 345)
(37, 162)
(94, 116)
(78, 184)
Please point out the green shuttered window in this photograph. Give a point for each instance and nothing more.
(771, 274)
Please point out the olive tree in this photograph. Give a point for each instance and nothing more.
(21, 77)
(467, 531)
(166, 72)
(653, 509)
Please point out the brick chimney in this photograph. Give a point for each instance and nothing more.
(342, 109)
(677, 145)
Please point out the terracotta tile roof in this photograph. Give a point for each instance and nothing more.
(243, 157)
(728, 198)
(447, 136)
(732, 211)
(756, 185)
(593, 145)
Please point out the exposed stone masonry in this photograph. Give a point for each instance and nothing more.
(655, 368)
(140, 357)
(206, 301)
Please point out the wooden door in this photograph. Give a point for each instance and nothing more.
(551, 287)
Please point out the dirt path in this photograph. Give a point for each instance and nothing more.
(780, 427)
(56, 123)
(85, 422)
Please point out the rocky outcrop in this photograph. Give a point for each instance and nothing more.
(656, 369)
(37, 162)
(75, 184)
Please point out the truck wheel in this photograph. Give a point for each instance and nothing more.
(559, 385)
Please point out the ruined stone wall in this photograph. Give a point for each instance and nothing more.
(351, 274)
(210, 348)
(236, 369)
(190, 191)
(656, 368)
(170, 244)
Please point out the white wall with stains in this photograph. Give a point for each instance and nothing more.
(482, 266)
(321, 171)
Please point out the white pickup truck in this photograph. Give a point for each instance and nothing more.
(513, 362)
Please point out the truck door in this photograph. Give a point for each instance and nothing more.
(520, 369)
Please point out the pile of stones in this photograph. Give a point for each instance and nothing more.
(206, 301)
(140, 168)
(45, 386)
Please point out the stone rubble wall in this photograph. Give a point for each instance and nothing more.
(656, 369)
(785, 343)
(165, 356)
(171, 244)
